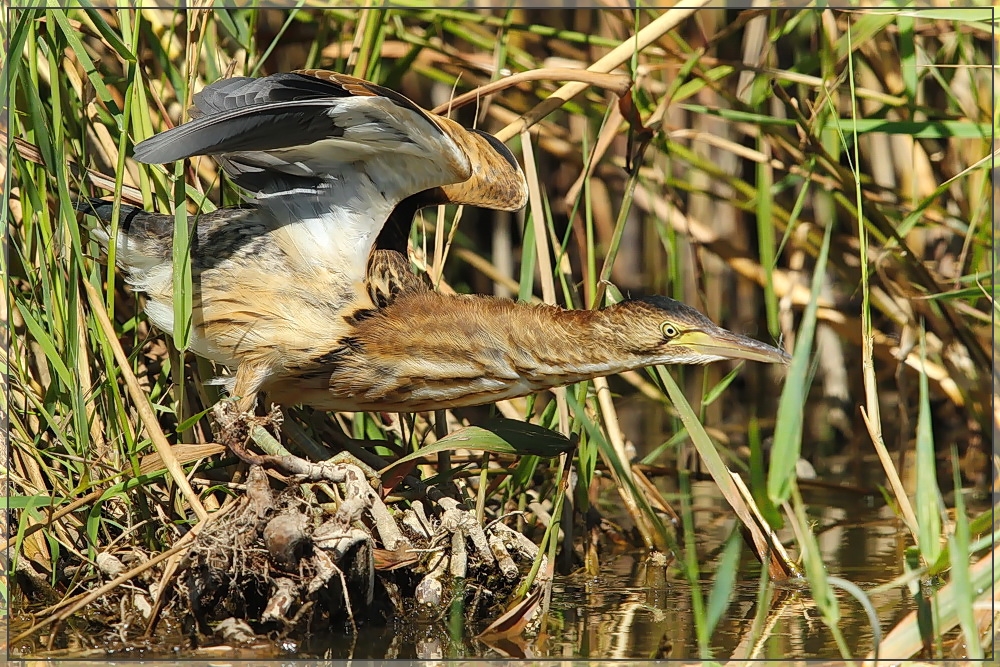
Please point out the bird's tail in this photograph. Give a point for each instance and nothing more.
(144, 239)
(102, 209)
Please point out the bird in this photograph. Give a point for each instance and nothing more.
(430, 351)
(286, 292)
(425, 350)
(342, 155)
(335, 168)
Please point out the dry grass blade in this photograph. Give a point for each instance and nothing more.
(487, 268)
(608, 134)
(703, 233)
(905, 639)
(616, 83)
(146, 413)
(771, 127)
(393, 560)
(70, 607)
(537, 210)
(30, 152)
(898, 490)
(765, 541)
(626, 488)
(513, 622)
(82, 501)
(665, 22)
(183, 453)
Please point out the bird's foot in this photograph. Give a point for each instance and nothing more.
(274, 419)
(346, 457)
(235, 427)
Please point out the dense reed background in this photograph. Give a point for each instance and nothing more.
(816, 177)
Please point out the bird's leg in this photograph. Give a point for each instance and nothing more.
(344, 456)
(236, 416)
(249, 378)
(368, 462)
(233, 429)
(440, 431)
(275, 418)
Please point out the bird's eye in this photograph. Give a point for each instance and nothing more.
(668, 330)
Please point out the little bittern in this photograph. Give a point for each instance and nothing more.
(294, 292)
(347, 161)
(337, 166)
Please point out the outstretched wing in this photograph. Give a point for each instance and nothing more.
(331, 153)
(313, 123)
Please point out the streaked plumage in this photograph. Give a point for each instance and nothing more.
(295, 292)
(429, 351)
(329, 159)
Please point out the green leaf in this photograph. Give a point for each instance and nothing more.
(183, 287)
(815, 569)
(24, 502)
(73, 38)
(961, 576)
(47, 344)
(111, 35)
(498, 436)
(712, 394)
(788, 428)
(928, 496)
(725, 578)
(967, 15)
(980, 525)
(907, 638)
(929, 129)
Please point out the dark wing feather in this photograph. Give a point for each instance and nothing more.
(241, 92)
(242, 130)
(241, 114)
(288, 130)
(330, 153)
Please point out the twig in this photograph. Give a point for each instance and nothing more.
(141, 402)
(616, 83)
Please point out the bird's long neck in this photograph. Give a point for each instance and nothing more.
(396, 230)
(468, 350)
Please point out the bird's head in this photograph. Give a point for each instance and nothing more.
(496, 182)
(666, 331)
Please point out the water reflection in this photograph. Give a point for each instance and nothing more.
(636, 609)
(624, 613)
(640, 609)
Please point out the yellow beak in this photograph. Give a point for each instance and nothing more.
(727, 345)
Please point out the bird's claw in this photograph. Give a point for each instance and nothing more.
(234, 427)
(346, 457)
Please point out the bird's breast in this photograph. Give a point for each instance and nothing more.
(360, 378)
(426, 351)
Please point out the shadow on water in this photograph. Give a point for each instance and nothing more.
(633, 609)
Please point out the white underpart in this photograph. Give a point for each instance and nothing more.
(157, 284)
(335, 227)
(127, 254)
(386, 154)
